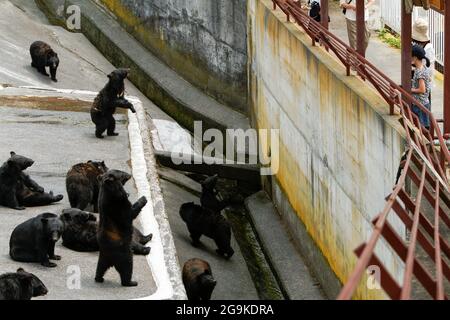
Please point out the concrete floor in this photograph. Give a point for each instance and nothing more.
(56, 141)
(233, 278)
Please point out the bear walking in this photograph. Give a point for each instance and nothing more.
(21, 285)
(17, 189)
(198, 279)
(82, 184)
(106, 102)
(201, 221)
(42, 56)
(34, 240)
(115, 230)
(80, 233)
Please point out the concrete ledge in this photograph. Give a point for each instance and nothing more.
(292, 272)
(177, 97)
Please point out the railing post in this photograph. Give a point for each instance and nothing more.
(447, 68)
(406, 48)
(360, 27)
(324, 8)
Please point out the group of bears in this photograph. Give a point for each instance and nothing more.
(93, 184)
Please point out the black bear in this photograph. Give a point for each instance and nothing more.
(80, 233)
(82, 184)
(115, 230)
(34, 240)
(42, 56)
(21, 285)
(201, 221)
(106, 102)
(209, 197)
(198, 279)
(17, 189)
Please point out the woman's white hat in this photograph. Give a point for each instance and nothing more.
(420, 30)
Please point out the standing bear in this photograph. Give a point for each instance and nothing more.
(34, 240)
(106, 102)
(42, 56)
(83, 185)
(115, 231)
(17, 189)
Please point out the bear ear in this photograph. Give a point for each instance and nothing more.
(12, 153)
(20, 270)
(90, 161)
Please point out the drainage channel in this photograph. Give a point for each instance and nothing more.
(261, 275)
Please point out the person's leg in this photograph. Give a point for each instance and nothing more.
(367, 36)
(351, 30)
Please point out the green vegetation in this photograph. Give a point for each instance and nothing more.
(391, 39)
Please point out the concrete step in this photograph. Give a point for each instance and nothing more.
(180, 99)
(287, 263)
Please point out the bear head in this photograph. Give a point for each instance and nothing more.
(117, 81)
(100, 166)
(31, 285)
(53, 226)
(53, 63)
(207, 284)
(76, 216)
(19, 163)
(113, 182)
(210, 183)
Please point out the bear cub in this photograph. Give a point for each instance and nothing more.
(34, 240)
(107, 101)
(201, 221)
(42, 56)
(82, 184)
(17, 189)
(198, 279)
(115, 230)
(21, 285)
(80, 233)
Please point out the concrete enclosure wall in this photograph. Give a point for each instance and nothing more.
(339, 149)
(203, 40)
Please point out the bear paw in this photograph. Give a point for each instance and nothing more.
(55, 257)
(49, 264)
(113, 134)
(57, 198)
(129, 284)
(54, 80)
(99, 280)
(19, 208)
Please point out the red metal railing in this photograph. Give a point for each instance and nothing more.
(427, 153)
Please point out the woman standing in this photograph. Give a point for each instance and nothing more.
(421, 84)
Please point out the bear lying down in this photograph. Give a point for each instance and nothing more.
(17, 189)
(21, 285)
(80, 233)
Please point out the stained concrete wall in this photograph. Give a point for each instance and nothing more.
(203, 40)
(339, 149)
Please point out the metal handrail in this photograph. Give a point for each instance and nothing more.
(421, 152)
